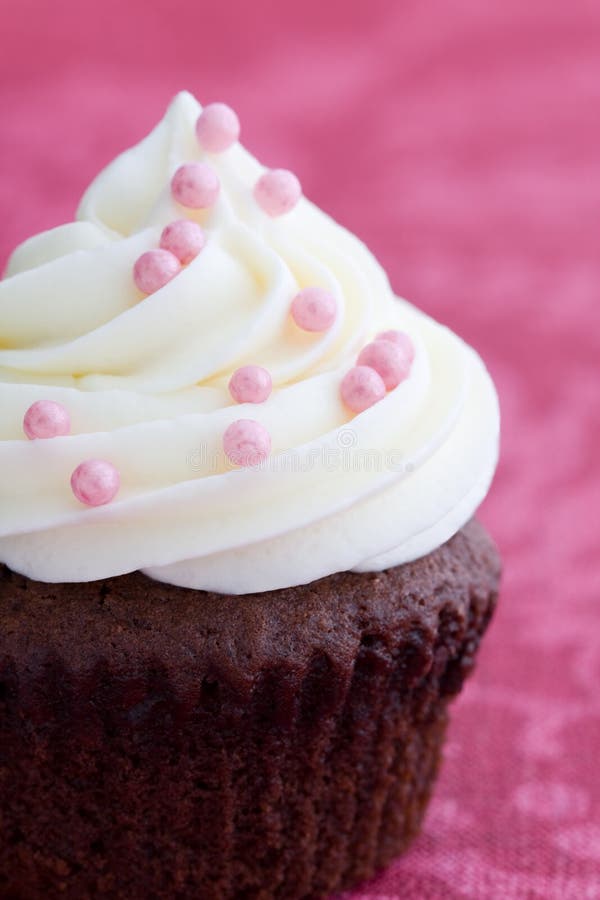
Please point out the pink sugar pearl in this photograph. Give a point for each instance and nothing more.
(184, 239)
(401, 339)
(195, 185)
(250, 384)
(388, 360)
(154, 269)
(246, 443)
(277, 191)
(361, 387)
(314, 309)
(46, 419)
(95, 482)
(217, 127)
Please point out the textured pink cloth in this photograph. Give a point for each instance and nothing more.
(462, 142)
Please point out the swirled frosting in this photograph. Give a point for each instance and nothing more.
(145, 382)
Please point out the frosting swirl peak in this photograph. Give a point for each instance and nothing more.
(145, 382)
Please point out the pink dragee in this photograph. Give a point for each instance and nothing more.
(246, 443)
(46, 419)
(361, 387)
(314, 309)
(217, 128)
(401, 340)
(95, 482)
(184, 239)
(250, 384)
(388, 359)
(195, 185)
(154, 269)
(461, 141)
(277, 192)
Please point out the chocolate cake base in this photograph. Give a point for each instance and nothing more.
(158, 743)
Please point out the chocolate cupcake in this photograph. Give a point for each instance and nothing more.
(241, 580)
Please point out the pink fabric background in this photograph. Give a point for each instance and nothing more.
(461, 142)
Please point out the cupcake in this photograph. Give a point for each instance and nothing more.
(240, 577)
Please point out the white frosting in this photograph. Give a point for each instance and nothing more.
(145, 382)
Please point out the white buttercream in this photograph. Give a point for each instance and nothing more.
(145, 382)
